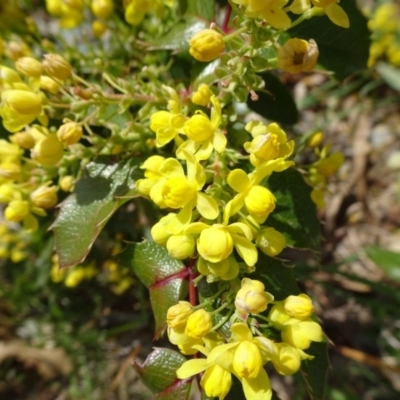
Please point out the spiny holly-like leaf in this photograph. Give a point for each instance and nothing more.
(275, 102)
(160, 273)
(178, 37)
(103, 189)
(341, 50)
(315, 371)
(295, 214)
(158, 373)
(276, 276)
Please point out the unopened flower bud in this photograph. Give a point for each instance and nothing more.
(7, 192)
(8, 75)
(69, 133)
(287, 360)
(30, 67)
(102, 8)
(48, 151)
(271, 242)
(180, 246)
(10, 170)
(22, 101)
(198, 324)
(67, 183)
(299, 307)
(98, 28)
(278, 316)
(216, 382)
(57, 66)
(16, 210)
(44, 196)
(202, 96)
(252, 298)
(247, 360)
(260, 202)
(23, 139)
(315, 139)
(206, 45)
(49, 84)
(178, 315)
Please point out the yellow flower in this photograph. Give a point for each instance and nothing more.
(315, 140)
(49, 84)
(23, 139)
(202, 95)
(57, 66)
(331, 8)
(176, 190)
(298, 55)
(206, 45)
(329, 166)
(203, 134)
(167, 126)
(98, 28)
(270, 10)
(252, 298)
(269, 143)
(318, 197)
(178, 315)
(247, 360)
(216, 242)
(181, 246)
(45, 196)
(48, 151)
(287, 360)
(270, 241)
(300, 334)
(102, 8)
(19, 108)
(198, 324)
(16, 210)
(67, 183)
(29, 67)
(226, 269)
(278, 316)
(299, 307)
(69, 133)
(152, 174)
(260, 202)
(216, 382)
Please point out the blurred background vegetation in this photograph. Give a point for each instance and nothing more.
(72, 334)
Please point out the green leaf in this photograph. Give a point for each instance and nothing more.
(160, 273)
(315, 371)
(204, 9)
(341, 50)
(276, 276)
(95, 199)
(295, 214)
(390, 74)
(388, 260)
(275, 102)
(158, 373)
(178, 37)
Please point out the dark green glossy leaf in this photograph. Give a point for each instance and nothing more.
(96, 197)
(160, 273)
(315, 371)
(295, 214)
(158, 373)
(341, 50)
(276, 276)
(388, 260)
(275, 102)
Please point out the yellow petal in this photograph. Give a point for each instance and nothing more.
(238, 180)
(191, 367)
(215, 112)
(246, 249)
(205, 150)
(234, 206)
(221, 356)
(219, 141)
(267, 168)
(171, 167)
(196, 228)
(241, 332)
(207, 206)
(337, 15)
(258, 388)
(241, 229)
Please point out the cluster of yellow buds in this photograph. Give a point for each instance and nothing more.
(247, 350)
(327, 165)
(135, 10)
(386, 30)
(26, 183)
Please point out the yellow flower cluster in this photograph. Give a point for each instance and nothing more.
(205, 207)
(386, 30)
(13, 243)
(245, 353)
(274, 12)
(26, 183)
(326, 166)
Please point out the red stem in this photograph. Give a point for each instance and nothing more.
(227, 17)
(192, 289)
